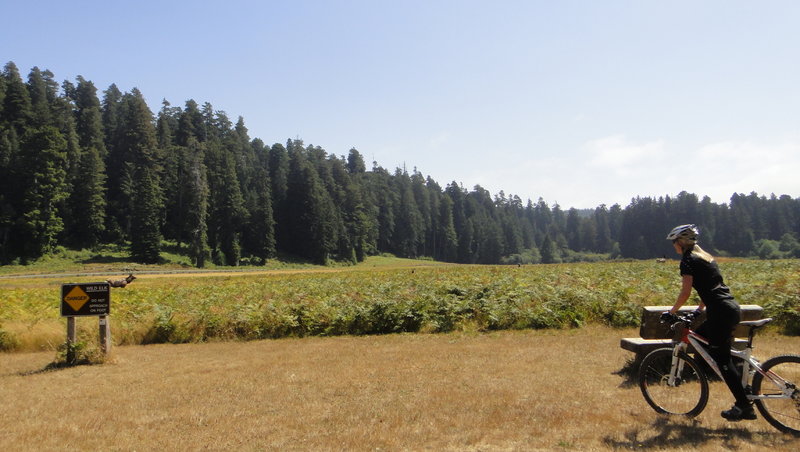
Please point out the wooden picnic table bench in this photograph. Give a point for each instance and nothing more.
(653, 334)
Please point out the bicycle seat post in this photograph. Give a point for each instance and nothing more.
(753, 325)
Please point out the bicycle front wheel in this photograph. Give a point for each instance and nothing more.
(686, 394)
(779, 387)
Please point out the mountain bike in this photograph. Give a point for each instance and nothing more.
(673, 382)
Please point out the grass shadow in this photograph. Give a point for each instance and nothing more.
(681, 433)
(58, 365)
(629, 373)
(105, 259)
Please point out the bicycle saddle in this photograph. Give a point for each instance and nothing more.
(756, 323)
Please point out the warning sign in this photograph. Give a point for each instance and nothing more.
(85, 299)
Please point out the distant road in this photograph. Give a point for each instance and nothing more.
(215, 272)
(157, 273)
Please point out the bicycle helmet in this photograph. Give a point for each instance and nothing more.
(687, 232)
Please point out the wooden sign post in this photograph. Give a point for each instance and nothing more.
(86, 300)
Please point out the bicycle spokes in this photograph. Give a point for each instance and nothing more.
(776, 393)
(673, 387)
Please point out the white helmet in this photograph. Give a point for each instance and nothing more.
(689, 232)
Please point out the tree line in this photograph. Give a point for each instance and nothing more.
(81, 171)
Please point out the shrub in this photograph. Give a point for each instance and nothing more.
(7, 341)
(78, 353)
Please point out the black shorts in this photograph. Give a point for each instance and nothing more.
(719, 325)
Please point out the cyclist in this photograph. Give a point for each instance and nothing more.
(700, 271)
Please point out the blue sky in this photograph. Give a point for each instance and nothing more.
(580, 103)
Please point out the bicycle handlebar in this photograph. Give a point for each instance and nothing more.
(675, 319)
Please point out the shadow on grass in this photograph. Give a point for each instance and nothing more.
(680, 433)
(105, 259)
(58, 365)
(629, 373)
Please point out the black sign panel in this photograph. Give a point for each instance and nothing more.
(85, 299)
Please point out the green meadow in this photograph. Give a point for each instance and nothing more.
(380, 296)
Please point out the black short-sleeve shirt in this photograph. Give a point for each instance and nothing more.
(707, 281)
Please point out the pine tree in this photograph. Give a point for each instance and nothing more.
(190, 125)
(355, 162)
(384, 199)
(145, 232)
(2, 93)
(573, 230)
(17, 110)
(112, 101)
(145, 200)
(118, 174)
(40, 105)
(278, 166)
(228, 210)
(41, 166)
(548, 251)
(87, 199)
(601, 220)
(310, 216)
(409, 224)
(197, 196)
(447, 243)
(14, 119)
(261, 228)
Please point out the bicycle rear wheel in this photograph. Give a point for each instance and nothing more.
(687, 396)
(782, 379)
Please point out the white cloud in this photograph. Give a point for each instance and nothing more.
(617, 154)
(439, 141)
(614, 169)
(743, 167)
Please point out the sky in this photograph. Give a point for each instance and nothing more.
(580, 103)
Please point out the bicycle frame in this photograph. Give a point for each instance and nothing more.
(750, 367)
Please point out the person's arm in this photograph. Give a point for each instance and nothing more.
(686, 291)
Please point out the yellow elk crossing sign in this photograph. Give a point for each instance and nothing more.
(92, 299)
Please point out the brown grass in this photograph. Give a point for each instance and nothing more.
(531, 390)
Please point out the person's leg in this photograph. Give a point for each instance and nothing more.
(719, 333)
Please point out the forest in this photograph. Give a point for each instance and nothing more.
(80, 170)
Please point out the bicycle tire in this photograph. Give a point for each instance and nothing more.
(783, 413)
(688, 398)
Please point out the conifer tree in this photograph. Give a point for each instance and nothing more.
(190, 124)
(310, 217)
(112, 100)
(261, 227)
(228, 210)
(548, 251)
(87, 201)
(40, 106)
(118, 174)
(17, 110)
(384, 198)
(138, 147)
(41, 168)
(447, 242)
(278, 166)
(197, 194)
(601, 220)
(409, 223)
(145, 231)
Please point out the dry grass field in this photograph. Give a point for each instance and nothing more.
(519, 390)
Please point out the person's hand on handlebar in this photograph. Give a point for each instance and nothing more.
(693, 315)
(668, 317)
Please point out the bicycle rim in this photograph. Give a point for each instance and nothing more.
(783, 413)
(686, 397)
